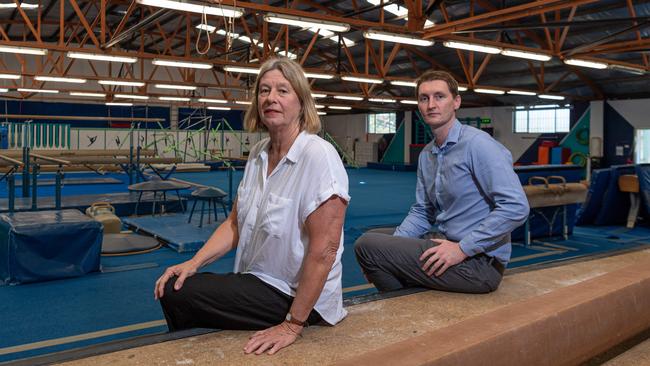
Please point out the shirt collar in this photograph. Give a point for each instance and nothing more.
(452, 138)
(295, 151)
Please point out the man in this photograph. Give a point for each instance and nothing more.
(466, 187)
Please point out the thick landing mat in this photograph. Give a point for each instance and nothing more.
(174, 230)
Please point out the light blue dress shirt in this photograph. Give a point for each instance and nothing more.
(468, 188)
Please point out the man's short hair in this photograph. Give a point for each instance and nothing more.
(432, 75)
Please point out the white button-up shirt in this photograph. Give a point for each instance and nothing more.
(271, 214)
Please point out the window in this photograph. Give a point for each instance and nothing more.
(542, 119)
(381, 123)
(642, 146)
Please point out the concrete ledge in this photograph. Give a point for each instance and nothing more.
(563, 327)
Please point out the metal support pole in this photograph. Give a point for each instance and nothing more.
(35, 170)
(11, 185)
(26, 171)
(57, 187)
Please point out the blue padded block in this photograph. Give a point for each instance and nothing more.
(589, 210)
(616, 204)
(47, 245)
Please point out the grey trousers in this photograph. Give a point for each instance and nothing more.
(393, 262)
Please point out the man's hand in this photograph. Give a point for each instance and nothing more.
(442, 256)
(273, 339)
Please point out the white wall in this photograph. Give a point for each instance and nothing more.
(635, 111)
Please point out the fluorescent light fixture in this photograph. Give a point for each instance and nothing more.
(186, 64)
(206, 27)
(119, 104)
(525, 54)
(176, 87)
(22, 5)
(245, 102)
(541, 106)
(471, 47)
(121, 83)
(220, 10)
(347, 97)
(174, 99)
(209, 100)
(631, 69)
(100, 57)
(85, 94)
(58, 79)
(521, 92)
(23, 50)
(28, 90)
(489, 91)
(306, 22)
(406, 101)
(362, 79)
(318, 95)
(334, 37)
(319, 106)
(382, 100)
(462, 88)
(548, 96)
(396, 38)
(345, 108)
(315, 75)
(412, 84)
(245, 70)
(585, 63)
(321, 113)
(220, 108)
(10, 76)
(3, 90)
(132, 96)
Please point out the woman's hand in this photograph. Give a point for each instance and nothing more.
(273, 339)
(183, 271)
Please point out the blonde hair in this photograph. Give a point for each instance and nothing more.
(292, 71)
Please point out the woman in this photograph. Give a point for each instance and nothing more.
(286, 223)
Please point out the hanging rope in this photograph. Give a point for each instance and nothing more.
(204, 21)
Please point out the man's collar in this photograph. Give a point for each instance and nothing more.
(452, 137)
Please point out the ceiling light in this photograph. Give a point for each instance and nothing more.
(122, 104)
(206, 27)
(462, 88)
(521, 92)
(542, 106)
(347, 97)
(405, 101)
(585, 63)
(472, 47)
(548, 96)
(3, 90)
(489, 91)
(362, 79)
(60, 79)
(319, 106)
(631, 69)
(245, 70)
(339, 107)
(306, 22)
(246, 102)
(396, 38)
(22, 6)
(177, 87)
(121, 83)
(220, 10)
(175, 99)
(525, 54)
(28, 90)
(314, 75)
(23, 50)
(220, 108)
(318, 95)
(412, 84)
(100, 57)
(331, 36)
(187, 64)
(85, 94)
(209, 100)
(321, 113)
(10, 76)
(382, 100)
(395, 9)
(132, 96)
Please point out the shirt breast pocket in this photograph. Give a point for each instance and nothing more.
(277, 215)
